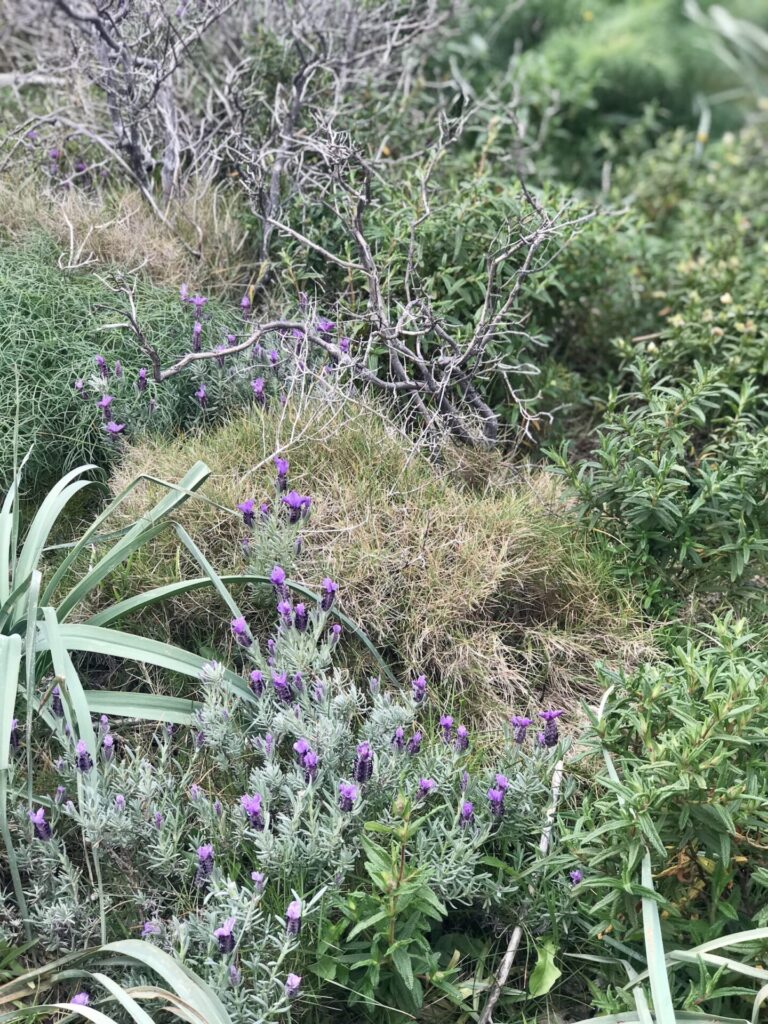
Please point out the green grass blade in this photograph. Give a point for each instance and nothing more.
(654, 950)
(157, 594)
(76, 636)
(147, 706)
(128, 1003)
(178, 493)
(735, 939)
(51, 638)
(46, 517)
(8, 528)
(689, 957)
(176, 976)
(10, 667)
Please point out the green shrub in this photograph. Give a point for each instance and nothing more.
(686, 738)
(679, 481)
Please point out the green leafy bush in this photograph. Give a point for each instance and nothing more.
(687, 740)
(679, 479)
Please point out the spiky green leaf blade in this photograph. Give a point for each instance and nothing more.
(128, 1003)
(654, 951)
(150, 707)
(170, 590)
(50, 637)
(142, 531)
(176, 976)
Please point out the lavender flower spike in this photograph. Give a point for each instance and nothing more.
(240, 632)
(248, 507)
(414, 743)
(496, 800)
(83, 759)
(293, 918)
(225, 936)
(419, 687)
(252, 807)
(292, 985)
(80, 999)
(40, 825)
(466, 814)
(363, 763)
(347, 796)
(329, 589)
(520, 724)
(462, 738)
(57, 707)
(446, 724)
(550, 735)
(426, 786)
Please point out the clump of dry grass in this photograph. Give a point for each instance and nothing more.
(490, 589)
(201, 238)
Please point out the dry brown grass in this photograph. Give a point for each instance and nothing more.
(491, 590)
(201, 240)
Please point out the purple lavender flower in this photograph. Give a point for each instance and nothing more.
(301, 617)
(141, 383)
(414, 743)
(240, 632)
(195, 792)
(281, 465)
(60, 795)
(205, 859)
(296, 504)
(324, 325)
(462, 738)
(292, 985)
(264, 511)
(344, 345)
(285, 611)
(119, 802)
(220, 354)
(277, 577)
(398, 740)
(466, 814)
(575, 876)
(83, 759)
(550, 734)
(14, 737)
(158, 820)
(104, 402)
(426, 786)
(79, 387)
(245, 303)
(40, 825)
(363, 763)
(218, 808)
(57, 706)
(301, 746)
(202, 396)
(198, 302)
(419, 688)
(328, 589)
(258, 390)
(197, 330)
(225, 936)
(259, 880)
(502, 783)
(496, 800)
(274, 357)
(521, 725)
(108, 747)
(335, 634)
(311, 763)
(446, 724)
(282, 687)
(150, 928)
(256, 683)
(293, 918)
(247, 508)
(347, 795)
(103, 724)
(251, 804)
(80, 999)
(101, 365)
(114, 428)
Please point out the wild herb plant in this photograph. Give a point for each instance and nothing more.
(679, 479)
(687, 739)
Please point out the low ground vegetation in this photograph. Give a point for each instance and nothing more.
(383, 535)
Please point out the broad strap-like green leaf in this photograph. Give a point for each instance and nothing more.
(8, 527)
(170, 590)
(142, 531)
(79, 636)
(50, 637)
(150, 707)
(654, 951)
